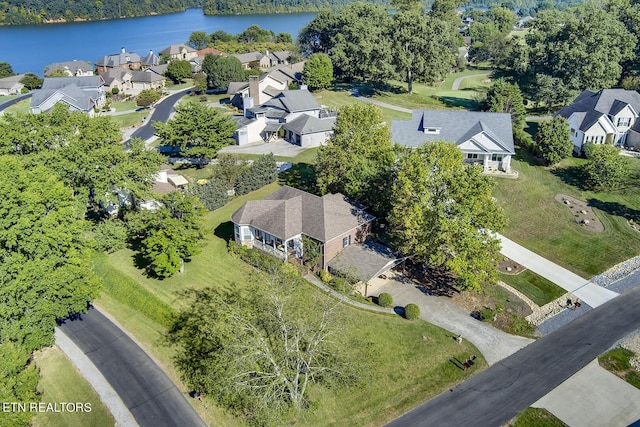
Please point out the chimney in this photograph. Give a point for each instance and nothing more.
(254, 88)
(247, 102)
(122, 50)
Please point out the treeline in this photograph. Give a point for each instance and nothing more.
(241, 7)
(526, 7)
(17, 12)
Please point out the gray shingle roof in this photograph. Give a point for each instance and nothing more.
(365, 261)
(288, 212)
(82, 82)
(454, 126)
(72, 66)
(81, 99)
(596, 104)
(118, 59)
(294, 101)
(245, 58)
(306, 124)
(11, 81)
(175, 49)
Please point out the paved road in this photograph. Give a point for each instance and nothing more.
(499, 393)
(151, 397)
(456, 82)
(7, 104)
(588, 292)
(161, 113)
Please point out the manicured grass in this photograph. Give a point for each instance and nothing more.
(337, 99)
(617, 361)
(20, 107)
(536, 417)
(131, 119)
(124, 105)
(541, 224)
(61, 382)
(389, 344)
(180, 86)
(537, 288)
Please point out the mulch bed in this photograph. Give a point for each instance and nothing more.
(582, 213)
(509, 266)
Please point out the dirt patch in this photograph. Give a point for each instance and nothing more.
(509, 266)
(493, 296)
(582, 213)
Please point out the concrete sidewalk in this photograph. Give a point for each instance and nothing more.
(493, 343)
(588, 292)
(593, 397)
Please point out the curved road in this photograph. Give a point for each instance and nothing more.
(7, 104)
(456, 82)
(499, 393)
(161, 113)
(151, 397)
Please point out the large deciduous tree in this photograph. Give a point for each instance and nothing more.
(505, 97)
(443, 213)
(423, 47)
(357, 158)
(147, 97)
(198, 40)
(179, 71)
(200, 131)
(553, 140)
(6, 70)
(318, 72)
(221, 70)
(260, 354)
(46, 272)
(605, 168)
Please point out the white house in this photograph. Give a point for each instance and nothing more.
(11, 85)
(483, 138)
(609, 116)
(292, 114)
(260, 88)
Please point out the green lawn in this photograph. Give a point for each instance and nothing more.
(537, 288)
(536, 417)
(617, 361)
(124, 105)
(391, 344)
(538, 222)
(340, 98)
(131, 119)
(20, 107)
(61, 382)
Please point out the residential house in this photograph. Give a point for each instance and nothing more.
(142, 80)
(73, 68)
(11, 85)
(278, 58)
(119, 78)
(292, 114)
(483, 138)
(127, 60)
(260, 88)
(277, 223)
(609, 116)
(82, 94)
(127, 80)
(180, 52)
(288, 73)
(247, 58)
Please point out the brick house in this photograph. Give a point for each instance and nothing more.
(277, 223)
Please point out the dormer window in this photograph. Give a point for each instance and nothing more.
(433, 131)
(624, 121)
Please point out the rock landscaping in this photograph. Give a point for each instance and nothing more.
(582, 213)
(508, 266)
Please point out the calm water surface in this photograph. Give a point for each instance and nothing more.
(32, 47)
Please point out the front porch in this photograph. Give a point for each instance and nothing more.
(490, 161)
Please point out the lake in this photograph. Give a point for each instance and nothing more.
(30, 48)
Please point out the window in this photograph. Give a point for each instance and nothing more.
(496, 157)
(236, 229)
(346, 241)
(573, 131)
(472, 155)
(624, 121)
(246, 233)
(432, 130)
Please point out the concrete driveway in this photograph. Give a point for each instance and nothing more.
(279, 147)
(494, 344)
(593, 397)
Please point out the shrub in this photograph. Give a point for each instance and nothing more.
(385, 300)
(411, 312)
(341, 285)
(325, 276)
(115, 90)
(262, 172)
(260, 260)
(521, 326)
(213, 193)
(487, 314)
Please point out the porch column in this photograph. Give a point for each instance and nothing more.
(485, 163)
(506, 163)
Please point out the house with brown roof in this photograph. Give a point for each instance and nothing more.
(277, 223)
(180, 52)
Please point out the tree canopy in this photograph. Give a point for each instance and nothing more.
(553, 140)
(318, 72)
(443, 213)
(605, 168)
(221, 70)
(200, 131)
(505, 97)
(356, 160)
(179, 71)
(5, 70)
